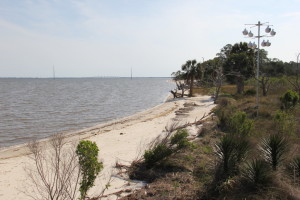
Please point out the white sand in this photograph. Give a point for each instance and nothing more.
(121, 141)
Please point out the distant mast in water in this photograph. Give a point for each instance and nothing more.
(131, 73)
(53, 72)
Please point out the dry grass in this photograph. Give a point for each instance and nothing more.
(202, 91)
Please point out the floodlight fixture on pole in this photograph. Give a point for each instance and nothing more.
(270, 33)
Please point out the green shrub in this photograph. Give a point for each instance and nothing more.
(240, 124)
(163, 148)
(87, 153)
(223, 114)
(156, 154)
(250, 92)
(289, 100)
(257, 172)
(180, 139)
(284, 123)
(274, 149)
(233, 121)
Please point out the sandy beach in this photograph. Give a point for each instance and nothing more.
(119, 141)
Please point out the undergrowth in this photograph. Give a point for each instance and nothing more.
(243, 153)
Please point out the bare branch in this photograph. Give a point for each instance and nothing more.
(55, 174)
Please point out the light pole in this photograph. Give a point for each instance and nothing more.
(298, 63)
(270, 33)
(297, 74)
(202, 69)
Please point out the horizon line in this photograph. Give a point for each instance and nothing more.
(88, 77)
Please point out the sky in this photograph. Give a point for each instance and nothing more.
(91, 38)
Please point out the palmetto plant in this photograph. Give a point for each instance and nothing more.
(242, 147)
(225, 151)
(257, 172)
(231, 151)
(274, 149)
(296, 165)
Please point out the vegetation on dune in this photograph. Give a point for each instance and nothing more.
(161, 148)
(61, 172)
(250, 152)
(243, 156)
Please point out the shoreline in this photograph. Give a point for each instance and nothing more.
(120, 140)
(13, 150)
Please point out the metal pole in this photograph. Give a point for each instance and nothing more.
(297, 74)
(298, 63)
(272, 33)
(202, 69)
(257, 70)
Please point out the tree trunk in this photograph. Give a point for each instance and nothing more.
(265, 85)
(191, 86)
(264, 91)
(218, 88)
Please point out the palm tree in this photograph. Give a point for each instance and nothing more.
(191, 70)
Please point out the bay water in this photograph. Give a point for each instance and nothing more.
(35, 108)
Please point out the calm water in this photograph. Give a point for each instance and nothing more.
(36, 108)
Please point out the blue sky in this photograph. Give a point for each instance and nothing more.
(86, 38)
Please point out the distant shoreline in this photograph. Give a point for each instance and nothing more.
(101, 77)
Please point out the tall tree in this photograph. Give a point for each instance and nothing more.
(239, 65)
(191, 70)
(225, 51)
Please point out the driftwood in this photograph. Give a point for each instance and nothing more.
(175, 94)
(196, 122)
(118, 193)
